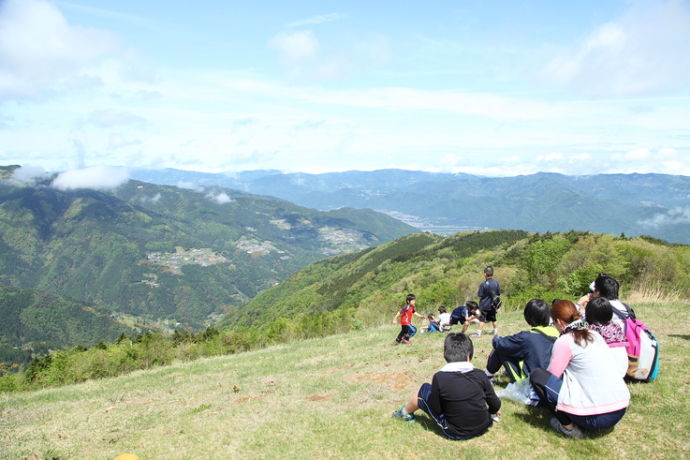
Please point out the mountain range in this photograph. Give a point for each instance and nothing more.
(635, 204)
(163, 256)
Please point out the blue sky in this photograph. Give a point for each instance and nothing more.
(494, 88)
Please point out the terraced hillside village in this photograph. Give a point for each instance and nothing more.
(157, 257)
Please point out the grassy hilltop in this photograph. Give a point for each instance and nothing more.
(328, 398)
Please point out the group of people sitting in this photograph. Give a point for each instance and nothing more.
(574, 357)
(464, 315)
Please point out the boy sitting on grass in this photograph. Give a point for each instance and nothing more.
(460, 398)
(465, 315)
(432, 325)
(525, 351)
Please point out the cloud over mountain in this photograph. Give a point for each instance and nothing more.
(673, 216)
(220, 198)
(99, 178)
(27, 175)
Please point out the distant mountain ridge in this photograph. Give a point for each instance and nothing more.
(158, 252)
(634, 204)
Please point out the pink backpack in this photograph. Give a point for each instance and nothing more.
(643, 348)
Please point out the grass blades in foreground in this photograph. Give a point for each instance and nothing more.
(328, 398)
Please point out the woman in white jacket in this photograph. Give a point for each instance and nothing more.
(581, 386)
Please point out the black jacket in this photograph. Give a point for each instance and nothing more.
(463, 398)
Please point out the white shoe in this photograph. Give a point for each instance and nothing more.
(476, 334)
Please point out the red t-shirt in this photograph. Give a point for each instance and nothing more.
(406, 314)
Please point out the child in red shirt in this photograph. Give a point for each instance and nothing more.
(407, 330)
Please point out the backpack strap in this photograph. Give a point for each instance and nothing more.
(620, 314)
(629, 313)
(550, 338)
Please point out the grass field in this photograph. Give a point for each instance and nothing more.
(329, 398)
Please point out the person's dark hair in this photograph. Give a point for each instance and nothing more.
(598, 311)
(537, 313)
(410, 297)
(430, 316)
(489, 271)
(457, 347)
(471, 305)
(606, 286)
(567, 312)
(441, 309)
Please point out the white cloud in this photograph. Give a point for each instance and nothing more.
(151, 199)
(99, 177)
(27, 175)
(187, 185)
(295, 47)
(643, 52)
(638, 154)
(375, 51)
(220, 198)
(120, 141)
(39, 49)
(320, 19)
(671, 217)
(553, 156)
(107, 118)
(110, 14)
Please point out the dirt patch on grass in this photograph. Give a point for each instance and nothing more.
(318, 397)
(395, 381)
(250, 398)
(139, 401)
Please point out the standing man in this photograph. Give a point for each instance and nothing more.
(487, 291)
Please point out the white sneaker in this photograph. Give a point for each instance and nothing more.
(476, 334)
(494, 332)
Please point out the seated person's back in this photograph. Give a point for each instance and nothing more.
(460, 398)
(527, 350)
(599, 316)
(444, 319)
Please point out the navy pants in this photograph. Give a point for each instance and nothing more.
(496, 360)
(423, 398)
(406, 332)
(547, 386)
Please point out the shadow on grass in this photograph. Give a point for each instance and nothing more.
(680, 336)
(540, 416)
(428, 424)
(536, 416)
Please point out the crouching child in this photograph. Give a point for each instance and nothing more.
(460, 398)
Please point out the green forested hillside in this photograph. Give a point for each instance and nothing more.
(164, 252)
(362, 289)
(372, 284)
(33, 322)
